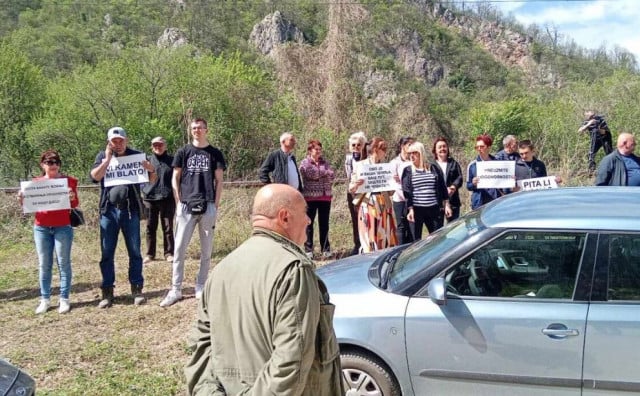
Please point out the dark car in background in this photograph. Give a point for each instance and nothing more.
(536, 293)
(15, 382)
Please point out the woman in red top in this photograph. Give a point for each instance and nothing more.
(52, 230)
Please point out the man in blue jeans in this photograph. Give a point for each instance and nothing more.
(120, 209)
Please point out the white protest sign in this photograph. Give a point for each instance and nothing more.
(496, 174)
(377, 177)
(126, 170)
(538, 183)
(46, 194)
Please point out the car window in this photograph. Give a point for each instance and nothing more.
(624, 267)
(422, 254)
(520, 264)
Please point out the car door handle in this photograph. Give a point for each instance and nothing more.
(559, 331)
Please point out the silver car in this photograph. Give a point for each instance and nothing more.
(537, 293)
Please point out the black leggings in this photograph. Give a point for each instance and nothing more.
(426, 215)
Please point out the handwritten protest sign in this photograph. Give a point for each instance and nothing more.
(48, 194)
(126, 170)
(377, 177)
(496, 174)
(538, 183)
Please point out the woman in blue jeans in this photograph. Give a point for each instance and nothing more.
(52, 232)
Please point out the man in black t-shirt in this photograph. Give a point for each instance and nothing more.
(197, 187)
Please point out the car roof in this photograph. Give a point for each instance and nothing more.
(584, 208)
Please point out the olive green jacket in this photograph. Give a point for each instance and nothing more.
(265, 325)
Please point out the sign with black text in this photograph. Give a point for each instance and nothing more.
(43, 195)
(496, 174)
(538, 183)
(126, 170)
(377, 177)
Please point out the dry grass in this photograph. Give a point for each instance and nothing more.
(124, 349)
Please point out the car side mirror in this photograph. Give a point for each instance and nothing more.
(438, 291)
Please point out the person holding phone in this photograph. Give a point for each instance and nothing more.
(120, 210)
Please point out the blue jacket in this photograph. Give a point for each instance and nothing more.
(479, 196)
(612, 171)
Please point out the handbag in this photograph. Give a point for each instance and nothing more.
(197, 207)
(76, 217)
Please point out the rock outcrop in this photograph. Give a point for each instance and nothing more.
(274, 30)
(172, 38)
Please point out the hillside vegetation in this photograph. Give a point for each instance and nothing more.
(70, 70)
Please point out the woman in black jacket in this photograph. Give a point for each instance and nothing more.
(452, 174)
(425, 191)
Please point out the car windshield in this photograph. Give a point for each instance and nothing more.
(426, 252)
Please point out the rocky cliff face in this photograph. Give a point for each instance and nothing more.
(511, 48)
(274, 30)
(508, 47)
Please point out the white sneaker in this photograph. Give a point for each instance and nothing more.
(310, 255)
(199, 289)
(64, 305)
(44, 305)
(171, 298)
(327, 255)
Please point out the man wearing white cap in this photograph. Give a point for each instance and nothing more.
(158, 199)
(120, 209)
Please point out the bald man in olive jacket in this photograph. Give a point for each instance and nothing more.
(265, 324)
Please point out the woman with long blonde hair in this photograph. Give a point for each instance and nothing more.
(425, 191)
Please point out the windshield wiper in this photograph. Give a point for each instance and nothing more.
(387, 267)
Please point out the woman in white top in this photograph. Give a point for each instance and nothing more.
(404, 228)
(356, 152)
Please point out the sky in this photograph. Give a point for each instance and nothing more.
(590, 23)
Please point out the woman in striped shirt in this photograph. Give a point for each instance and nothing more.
(425, 191)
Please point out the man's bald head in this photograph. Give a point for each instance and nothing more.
(273, 197)
(282, 209)
(626, 143)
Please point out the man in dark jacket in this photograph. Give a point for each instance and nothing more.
(599, 135)
(622, 167)
(159, 201)
(120, 209)
(281, 164)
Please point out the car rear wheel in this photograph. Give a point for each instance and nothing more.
(363, 375)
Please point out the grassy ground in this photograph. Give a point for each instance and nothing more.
(124, 349)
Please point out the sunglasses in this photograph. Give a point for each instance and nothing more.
(158, 144)
(356, 145)
(481, 147)
(51, 162)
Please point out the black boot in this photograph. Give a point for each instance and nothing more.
(107, 297)
(136, 293)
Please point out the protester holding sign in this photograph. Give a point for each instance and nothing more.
(480, 196)
(52, 232)
(356, 152)
(530, 167)
(452, 173)
(120, 209)
(423, 186)
(376, 224)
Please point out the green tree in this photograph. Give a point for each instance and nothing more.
(22, 88)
